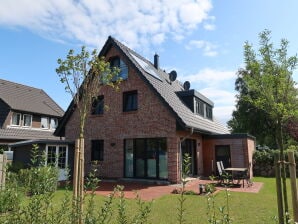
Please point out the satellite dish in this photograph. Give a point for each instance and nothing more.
(186, 85)
(173, 75)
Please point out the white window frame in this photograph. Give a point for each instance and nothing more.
(25, 115)
(47, 127)
(19, 120)
(57, 149)
(56, 123)
(63, 172)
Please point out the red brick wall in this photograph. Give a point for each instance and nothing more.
(152, 119)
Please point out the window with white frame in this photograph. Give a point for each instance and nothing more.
(54, 123)
(16, 119)
(27, 120)
(44, 122)
(57, 155)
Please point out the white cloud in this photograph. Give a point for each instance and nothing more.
(209, 49)
(209, 24)
(211, 76)
(91, 21)
(223, 113)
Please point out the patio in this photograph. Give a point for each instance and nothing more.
(149, 191)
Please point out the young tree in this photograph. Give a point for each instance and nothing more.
(268, 79)
(83, 75)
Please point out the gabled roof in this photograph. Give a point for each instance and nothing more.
(167, 91)
(28, 99)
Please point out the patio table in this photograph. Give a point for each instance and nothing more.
(241, 172)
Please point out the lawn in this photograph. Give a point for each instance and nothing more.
(245, 208)
(252, 208)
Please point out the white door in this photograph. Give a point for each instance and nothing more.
(58, 155)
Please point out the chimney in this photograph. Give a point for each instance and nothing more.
(156, 61)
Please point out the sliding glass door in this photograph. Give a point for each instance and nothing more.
(146, 158)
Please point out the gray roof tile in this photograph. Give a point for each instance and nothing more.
(25, 134)
(29, 99)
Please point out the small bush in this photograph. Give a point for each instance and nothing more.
(10, 196)
(263, 161)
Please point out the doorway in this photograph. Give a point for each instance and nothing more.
(223, 153)
(188, 146)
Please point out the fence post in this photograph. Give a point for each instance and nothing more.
(3, 161)
(292, 168)
(279, 189)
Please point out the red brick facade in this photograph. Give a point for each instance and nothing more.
(152, 119)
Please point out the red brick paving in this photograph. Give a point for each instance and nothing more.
(149, 191)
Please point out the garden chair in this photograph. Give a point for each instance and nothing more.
(222, 175)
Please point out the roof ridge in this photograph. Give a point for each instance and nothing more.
(19, 84)
(132, 51)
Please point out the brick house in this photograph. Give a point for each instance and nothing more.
(29, 116)
(150, 122)
(26, 113)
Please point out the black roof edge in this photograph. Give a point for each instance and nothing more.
(230, 136)
(40, 141)
(60, 130)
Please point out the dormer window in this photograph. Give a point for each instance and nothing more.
(199, 107)
(209, 112)
(118, 63)
(44, 122)
(53, 123)
(27, 120)
(16, 119)
(197, 103)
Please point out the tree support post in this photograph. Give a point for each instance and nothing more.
(279, 189)
(292, 168)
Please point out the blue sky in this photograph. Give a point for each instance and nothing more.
(202, 40)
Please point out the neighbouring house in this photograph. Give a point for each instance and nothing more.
(142, 131)
(29, 116)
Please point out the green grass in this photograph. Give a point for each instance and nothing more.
(245, 208)
(252, 208)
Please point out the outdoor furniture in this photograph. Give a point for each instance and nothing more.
(239, 174)
(221, 164)
(222, 175)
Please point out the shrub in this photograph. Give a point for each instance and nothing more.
(263, 161)
(10, 196)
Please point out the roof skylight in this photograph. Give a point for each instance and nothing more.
(147, 67)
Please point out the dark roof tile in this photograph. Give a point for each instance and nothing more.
(29, 99)
(25, 134)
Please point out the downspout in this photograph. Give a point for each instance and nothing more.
(181, 157)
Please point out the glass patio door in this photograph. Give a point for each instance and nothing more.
(146, 158)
